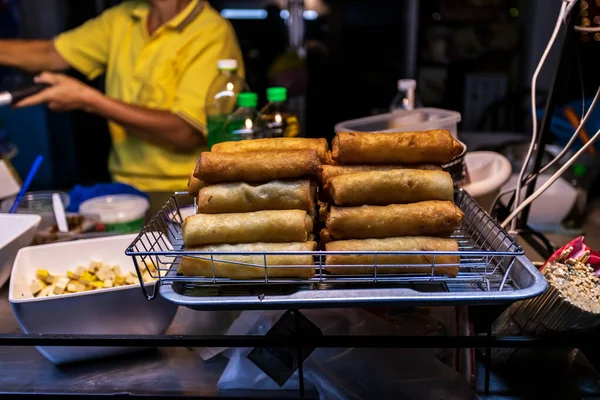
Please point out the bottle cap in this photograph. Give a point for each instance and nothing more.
(579, 170)
(247, 99)
(227, 65)
(276, 94)
(405, 84)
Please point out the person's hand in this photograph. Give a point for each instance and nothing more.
(65, 94)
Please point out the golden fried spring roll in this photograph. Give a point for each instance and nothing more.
(329, 159)
(426, 218)
(314, 217)
(190, 266)
(398, 186)
(328, 172)
(194, 185)
(276, 226)
(274, 144)
(325, 236)
(435, 146)
(393, 244)
(247, 197)
(323, 210)
(261, 166)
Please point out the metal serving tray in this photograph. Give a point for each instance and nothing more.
(492, 270)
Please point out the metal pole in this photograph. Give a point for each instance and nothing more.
(411, 23)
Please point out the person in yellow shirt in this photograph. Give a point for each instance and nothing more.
(159, 57)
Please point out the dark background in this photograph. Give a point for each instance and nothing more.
(472, 56)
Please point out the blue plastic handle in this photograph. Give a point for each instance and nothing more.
(27, 183)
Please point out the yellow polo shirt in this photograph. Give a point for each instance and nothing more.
(170, 70)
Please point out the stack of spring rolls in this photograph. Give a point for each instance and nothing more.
(254, 196)
(388, 192)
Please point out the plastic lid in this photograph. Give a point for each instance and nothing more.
(405, 84)
(116, 208)
(247, 99)
(227, 65)
(276, 94)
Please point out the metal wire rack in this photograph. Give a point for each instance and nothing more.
(484, 260)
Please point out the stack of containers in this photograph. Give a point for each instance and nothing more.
(254, 196)
(388, 192)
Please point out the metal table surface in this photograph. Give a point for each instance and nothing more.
(174, 372)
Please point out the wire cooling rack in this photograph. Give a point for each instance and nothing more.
(491, 266)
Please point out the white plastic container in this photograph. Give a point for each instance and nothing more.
(420, 119)
(120, 310)
(122, 213)
(16, 231)
(488, 171)
(37, 202)
(550, 209)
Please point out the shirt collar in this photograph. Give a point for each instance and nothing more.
(180, 21)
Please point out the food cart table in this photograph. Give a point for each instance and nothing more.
(166, 371)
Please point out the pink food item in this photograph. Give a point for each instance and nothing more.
(579, 248)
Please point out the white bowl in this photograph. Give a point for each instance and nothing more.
(16, 231)
(488, 171)
(111, 311)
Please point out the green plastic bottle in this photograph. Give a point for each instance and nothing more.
(582, 181)
(276, 119)
(240, 124)
(221, 99)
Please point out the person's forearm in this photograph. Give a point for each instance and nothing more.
(162, 128)
(31, 55)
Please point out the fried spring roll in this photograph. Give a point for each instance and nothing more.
(194, 185)
(275, 226)
(426, 218)
(398, 186)
(325, 236)
(394, 244)
(328, 172)
(247, 197)
(262, 166)
(323, 210)
(274, 144)
(191, 266)
(434, 146)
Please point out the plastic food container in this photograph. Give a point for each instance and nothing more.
(40, 203)
(420, 119)
(121, 213)
(488, 171)
(119, 310)
(78, 224)
(17, 231)
(552, 207)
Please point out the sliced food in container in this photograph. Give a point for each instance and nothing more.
(120, 309)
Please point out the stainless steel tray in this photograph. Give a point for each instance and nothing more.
(492, 269)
